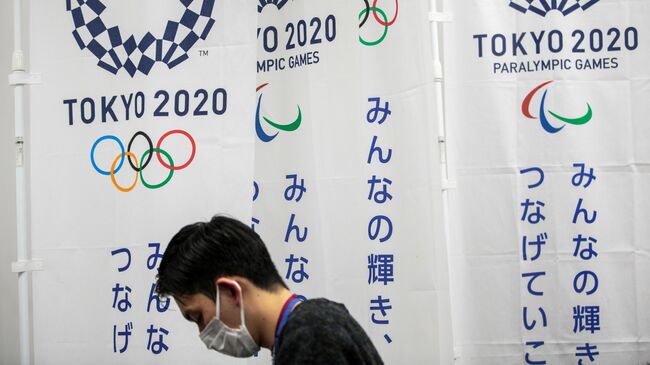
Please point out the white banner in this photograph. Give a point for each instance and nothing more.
(138, 128)
(546, 105)
(347, 184)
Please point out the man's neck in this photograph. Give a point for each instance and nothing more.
(269, 310)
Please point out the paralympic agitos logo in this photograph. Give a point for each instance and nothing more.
(544, 119)
(543, 7)
(261, 134)
(115, 50)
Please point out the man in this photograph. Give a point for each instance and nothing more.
(222, 278)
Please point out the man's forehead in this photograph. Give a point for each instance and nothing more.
(182, 301)
(188, 300)
(182, 305)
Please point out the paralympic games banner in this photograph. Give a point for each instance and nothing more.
(347, 189)
(547, 112)
(138, 128)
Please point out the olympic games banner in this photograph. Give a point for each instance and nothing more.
(547, 112)
(140, 126)
(347, 185)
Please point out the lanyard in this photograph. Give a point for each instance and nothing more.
(289, 305)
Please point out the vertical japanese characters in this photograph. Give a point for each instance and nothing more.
(122, 303)
(381, 260)
(296, 265)
(585, 315)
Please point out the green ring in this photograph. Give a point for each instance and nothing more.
(381, 39)
(171, 172)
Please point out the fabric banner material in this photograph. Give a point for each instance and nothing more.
(546, 106)
(149, 117)
(138, 128)
(347, 183)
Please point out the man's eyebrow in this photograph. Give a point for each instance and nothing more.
(190, 315)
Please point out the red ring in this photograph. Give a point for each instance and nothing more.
(189, 161)
(380, 21)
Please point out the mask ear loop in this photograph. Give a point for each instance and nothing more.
(241, 310)
(218, 306)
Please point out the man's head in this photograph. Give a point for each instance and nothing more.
(225, 255)
(202, 252)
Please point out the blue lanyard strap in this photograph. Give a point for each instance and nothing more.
(293, 301)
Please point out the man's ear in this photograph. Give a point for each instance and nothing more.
(230, 288)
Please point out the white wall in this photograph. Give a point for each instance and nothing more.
(9, 351)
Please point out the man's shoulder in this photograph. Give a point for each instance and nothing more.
(320, 331)
(320, 317)
(320, 310)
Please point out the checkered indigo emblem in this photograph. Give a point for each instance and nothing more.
(278, 4)
(542, 7)
(115, 52)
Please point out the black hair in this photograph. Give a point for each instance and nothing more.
(203, 251)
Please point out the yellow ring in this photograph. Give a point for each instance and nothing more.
(124, 190)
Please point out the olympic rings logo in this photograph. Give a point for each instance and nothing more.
(139, 165)
(376, 13)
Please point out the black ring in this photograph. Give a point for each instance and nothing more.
(367, 13)
(141, 133)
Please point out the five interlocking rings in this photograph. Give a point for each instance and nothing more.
(374, 9)
(138, 166)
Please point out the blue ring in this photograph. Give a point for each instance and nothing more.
(92, 154)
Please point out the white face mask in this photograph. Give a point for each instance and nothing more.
(235, 342)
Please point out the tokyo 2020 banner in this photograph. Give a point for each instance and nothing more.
(345, 173)
(546, 105)
(139, 127)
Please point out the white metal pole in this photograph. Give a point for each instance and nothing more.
(442, 127)
(18, 66)
(440, 111)
(440, 116)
